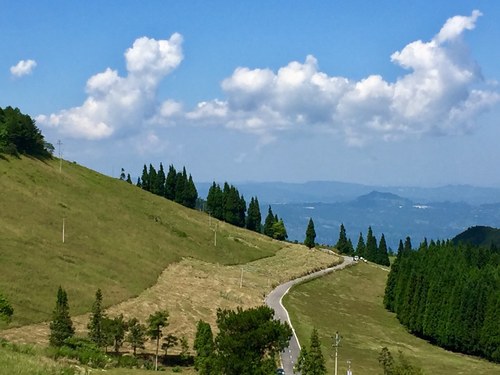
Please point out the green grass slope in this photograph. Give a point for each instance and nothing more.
(350, 302)
(117, 237)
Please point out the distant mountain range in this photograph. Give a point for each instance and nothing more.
(334, 192)
(432, 213)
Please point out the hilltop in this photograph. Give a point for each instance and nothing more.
(479, 236)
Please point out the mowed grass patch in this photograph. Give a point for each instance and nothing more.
(193, 289)
(350, 302)
(117, 237)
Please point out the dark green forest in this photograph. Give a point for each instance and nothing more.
(449, 294)
(19, 135)
(175, 186)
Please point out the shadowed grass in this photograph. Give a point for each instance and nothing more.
(350, 302)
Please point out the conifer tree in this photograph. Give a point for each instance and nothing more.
(204, 347)
(122, 175)
(190, 194)
(407, 247)
(361, 247)
(383, 256)
(160, 182)
(145, 182)
(95, 325)
(170, 183)
(215, 201)
(152, 179)
(61, 326)
(254, 218)
(310, 239)
(180, 186)
(242, 209)
(129, 180)
(268, 223)
(343, 245)
(371, 246)
(279, 230)
(311, 360)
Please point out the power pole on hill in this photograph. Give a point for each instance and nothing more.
(336, 345)
(215, 234)
(349, 371)
(59, 143)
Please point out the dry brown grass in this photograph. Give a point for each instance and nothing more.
(192, 290)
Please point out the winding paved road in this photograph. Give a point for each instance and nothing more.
(289, 355)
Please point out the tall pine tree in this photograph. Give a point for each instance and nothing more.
(343, 245)
(371, 246)
(61, 326)
(95, 325)
(310, 240)
(361, 247)
(269, 222)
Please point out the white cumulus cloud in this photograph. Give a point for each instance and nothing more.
(23, 68)
(115, 103)
(442, 93)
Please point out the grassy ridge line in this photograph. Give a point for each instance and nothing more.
(117, 237)
(350, 302)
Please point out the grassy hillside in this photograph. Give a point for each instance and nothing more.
(117, 237)
(350, 302)
(479, 236)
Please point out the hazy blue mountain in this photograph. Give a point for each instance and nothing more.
(333, 192)
(432, 213)
(387, 213)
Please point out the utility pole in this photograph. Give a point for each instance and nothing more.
(215, 234)
(59, 143)
(349, 371)
(336, 345)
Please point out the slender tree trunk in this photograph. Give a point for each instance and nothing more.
(156, 359)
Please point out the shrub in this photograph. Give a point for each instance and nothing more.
(83, 350)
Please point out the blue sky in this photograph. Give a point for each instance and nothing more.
(386, 92)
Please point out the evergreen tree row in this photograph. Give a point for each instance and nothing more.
(175, 186)
(19, 135)
(369, 250)
(448, 294)
(227, 204)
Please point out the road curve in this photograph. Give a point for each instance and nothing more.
(291, 353)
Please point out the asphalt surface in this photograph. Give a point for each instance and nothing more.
(291, 353)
